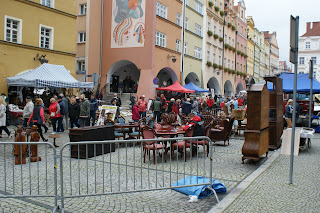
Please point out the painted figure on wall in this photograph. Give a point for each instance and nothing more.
(128, 23)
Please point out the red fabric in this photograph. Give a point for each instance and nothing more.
(142, 104)
(196, 118)
(240, 102)
(53, 108)
(175, 108)
(135, 113)
(221, 106)
(41, 114)
(176, 87)
(187, 126)
(210, 102)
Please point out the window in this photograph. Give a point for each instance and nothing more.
(161, 10)
(46, 37)
(214, 58)
(209, 23)
(185, 48)
(187, 2)
(13, 29)
(208, 55)
(199, 7)
(220, 6)
(314, 59)
(215, 3)
(47, 3)
(82, 37)
(81, 66)
(83, 9)
(179, 19)
(198, 29)
(186, 23)
(307, 45)
(214, 29)
(177, 45)
(219, 59)
(232, 65)
(220, 32)
(160, 39)
(197, 52)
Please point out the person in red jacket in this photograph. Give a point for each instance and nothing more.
(210, 102)
(142, 104)
(164, 103)
(135, 112)
(240, 100)
(37, 117)
(54, 113)
(199, 129)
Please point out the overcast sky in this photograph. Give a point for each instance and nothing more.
(274, 15)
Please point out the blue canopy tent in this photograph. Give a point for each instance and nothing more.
(303, 83)
(192, 86)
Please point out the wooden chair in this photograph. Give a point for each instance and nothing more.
(222, 133)
(149, 133)
(137, 132)
(183, 145)
(117, 134)
(150, 121)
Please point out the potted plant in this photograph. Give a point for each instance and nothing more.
(233, 71)
(242, 54)
(209, 64)
(216, 8)
(229, 24)
(245, 55)
(216, 36)
(221, 13)
(230, 47)
(210, 4)
(233, 28)
(215, 65)
(238, 52)
(220, 67)
(229, 71)
(225, 69)
(245, 75)
(226, 46)
(220, 39)
(233, 49)
(238, 73)
(210, 33)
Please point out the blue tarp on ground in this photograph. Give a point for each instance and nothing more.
(199, 191)
(303, 83)
(194, 87)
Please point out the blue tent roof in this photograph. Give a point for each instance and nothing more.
(303, 83)
(194, 87)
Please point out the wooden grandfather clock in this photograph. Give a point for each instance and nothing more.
(257, 134)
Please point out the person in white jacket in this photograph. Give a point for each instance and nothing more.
(3, 117)
(27, 110)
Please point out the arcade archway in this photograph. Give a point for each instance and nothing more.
(228, 88)
(214, 84)
(166, 77)
(239, 88)
(192, 77)
(125, 71)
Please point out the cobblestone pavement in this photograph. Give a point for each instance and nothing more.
(270, 192)
(81, 177)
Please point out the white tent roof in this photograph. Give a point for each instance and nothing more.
(47, 75)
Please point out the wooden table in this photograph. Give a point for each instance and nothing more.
(125, 125)
(168, 130)
(54, 139)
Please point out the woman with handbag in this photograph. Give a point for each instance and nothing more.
(37, 116)
(54, 112)
(3, 117)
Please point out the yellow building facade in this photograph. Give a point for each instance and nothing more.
(250, 47)
(31, 29)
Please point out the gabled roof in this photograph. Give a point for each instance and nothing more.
(314, 31)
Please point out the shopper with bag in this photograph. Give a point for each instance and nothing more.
(37, 117)
(54, 112)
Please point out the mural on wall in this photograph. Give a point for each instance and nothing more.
(128, 23)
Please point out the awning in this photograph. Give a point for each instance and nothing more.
(176, 87)
(47, 75)
(192, 86)
(303, 83)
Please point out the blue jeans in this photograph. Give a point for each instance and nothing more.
(60, 125)
(93, 116)
(54, 123)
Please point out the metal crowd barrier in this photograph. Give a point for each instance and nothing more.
(105, 167)
(32, 179)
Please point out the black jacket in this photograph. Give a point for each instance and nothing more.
(74, 110)
(199, 129)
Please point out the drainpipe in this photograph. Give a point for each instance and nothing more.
(101, 43)
(235, 61)
(222, 73)
(183, 41)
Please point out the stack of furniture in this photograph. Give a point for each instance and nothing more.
(276, 112)
(257, 133)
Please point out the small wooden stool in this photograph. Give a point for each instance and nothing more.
(54, 139)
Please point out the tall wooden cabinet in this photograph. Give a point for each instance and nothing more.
(257, 134)
(276, 112)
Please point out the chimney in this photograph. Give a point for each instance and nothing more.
(308, 26)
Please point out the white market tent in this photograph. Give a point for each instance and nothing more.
(47, 75)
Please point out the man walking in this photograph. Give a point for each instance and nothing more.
(84, 107)
(66, 113)
(74, 111)
(62, 112)
(27, 110)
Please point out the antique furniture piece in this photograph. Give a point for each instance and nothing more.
(222, 133)
(35, 137)
(149, 133)
(181, 146)
(93, 133)
(20, 151)
(257, 133)
(276, 112)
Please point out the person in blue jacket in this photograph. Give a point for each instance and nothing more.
(93, 108)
